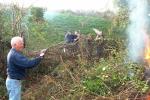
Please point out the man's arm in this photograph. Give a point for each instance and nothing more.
(23, 62)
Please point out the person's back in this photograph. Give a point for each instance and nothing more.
(70, 38)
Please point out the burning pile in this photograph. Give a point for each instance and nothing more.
(147, 51)
(147, 59)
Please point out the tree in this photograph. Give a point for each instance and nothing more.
(37, 14)
(120, 21)
(18, 15)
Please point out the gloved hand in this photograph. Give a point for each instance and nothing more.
(42, 52)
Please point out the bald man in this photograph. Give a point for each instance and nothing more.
(16, 65)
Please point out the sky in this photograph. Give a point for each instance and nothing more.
(54, 5)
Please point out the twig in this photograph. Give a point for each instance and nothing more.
(53, 98)
(82, 95)
(68, 70)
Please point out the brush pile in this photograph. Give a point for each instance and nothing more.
(60, 73)
(85, 48)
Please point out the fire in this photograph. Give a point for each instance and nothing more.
(147, 50)
(147, 53)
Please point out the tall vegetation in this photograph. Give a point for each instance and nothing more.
(71, 22)
(37, 14)
(121, 19)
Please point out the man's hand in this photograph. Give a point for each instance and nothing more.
(42, 52)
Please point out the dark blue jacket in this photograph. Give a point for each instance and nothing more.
(70, 38)
(17, 63)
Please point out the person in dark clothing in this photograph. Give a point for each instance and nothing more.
(70, 38)
(17, 63)
(99, 40)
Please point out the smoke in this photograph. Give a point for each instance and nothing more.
(137, 29)
(50, 15)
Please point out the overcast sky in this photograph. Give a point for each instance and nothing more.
(52, 5)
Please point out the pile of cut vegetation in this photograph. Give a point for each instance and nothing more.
(84, 49)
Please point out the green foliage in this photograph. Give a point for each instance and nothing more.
(69, 22)
(42, 35)
(5, 24)
(120, 23)
(2, 88)
(37, 13)
(109, 76)
(12, 21)
(120, 20)
(96, 85)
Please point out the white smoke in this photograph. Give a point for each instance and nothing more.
(137, 29)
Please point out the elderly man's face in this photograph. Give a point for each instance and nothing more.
(19, 45)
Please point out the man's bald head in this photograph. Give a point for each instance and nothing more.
(17, 43)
